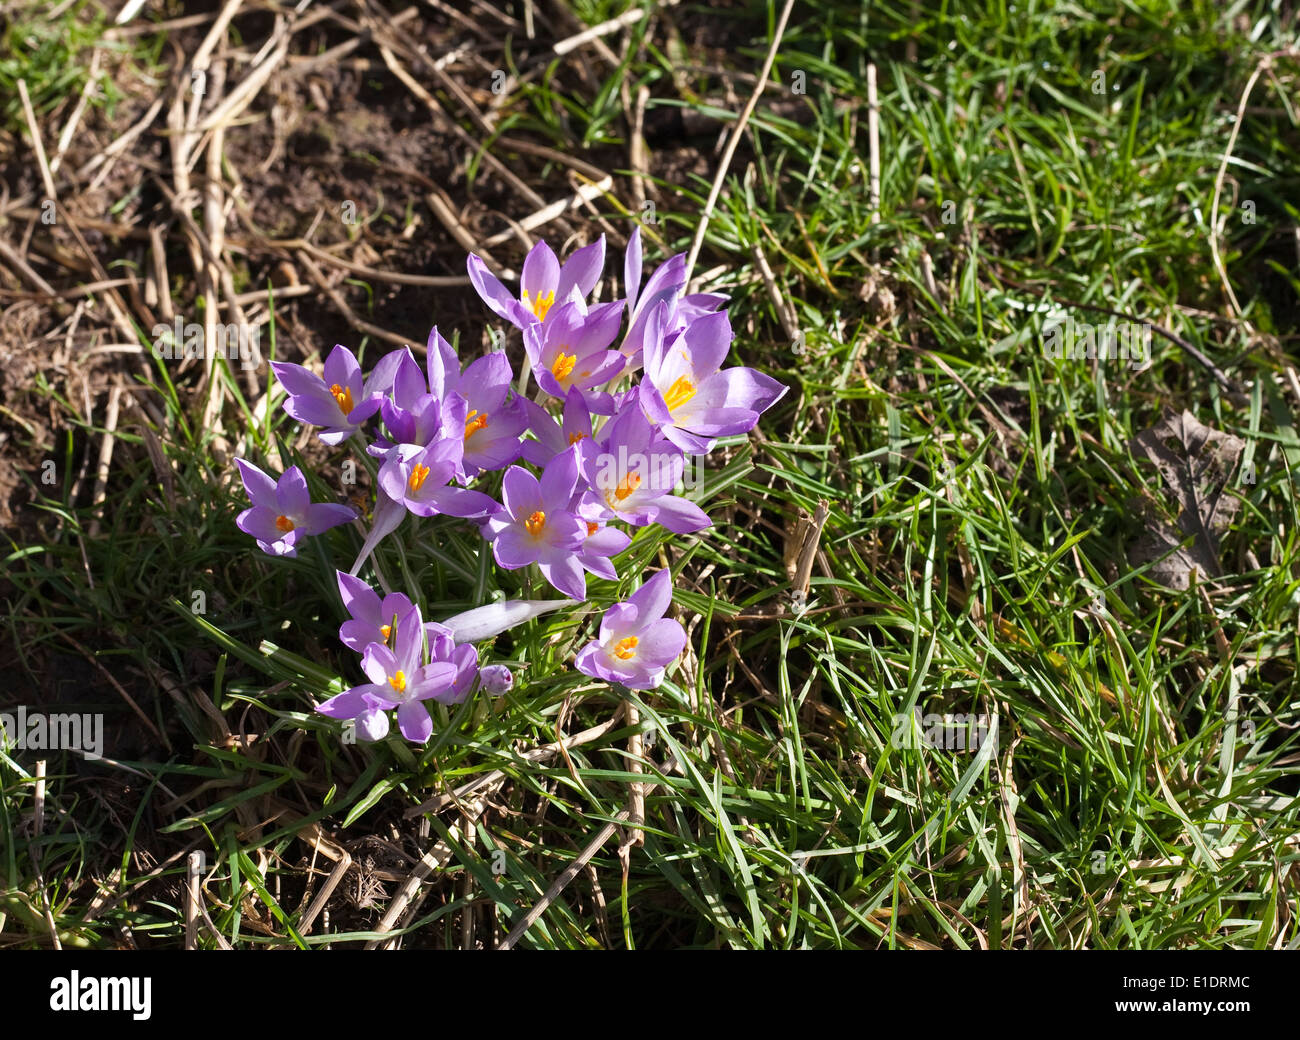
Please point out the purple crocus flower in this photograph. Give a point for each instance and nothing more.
(283, 513)
(493, 419)
(634, 472)
(572, 348)
(602, 541)
(463, 657)
(637, 643)
(556, 437)
(664, 286)
(372, 617)
(413, 415)
(687, 393)
(418, 478)
(543, 284)
(536, 526)
(398, 680)
(341, 402)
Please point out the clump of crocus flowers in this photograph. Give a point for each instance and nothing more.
(602, 447)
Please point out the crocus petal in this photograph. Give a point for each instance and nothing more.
(414, 722)
(260, 524)
(380, 380)
(359, 599)
(599, 566)
(347, 705)
(632, 268)
(315, 410)
(396, 605)
(461, 502)
(498, 298)
(740, 388)
(291, 492)
(342, 367)
(541, 272)
(357, 635)
(659, 643)
(321, 516)
(465, 658)
(608, 541)
(693, 444)
(379, 662)
(653, 597)
(491, 449)
(582, 270)
(372, 725)
(680, 515)
(618, 621)
(707, 341)
(565, 573)
(260, 487)
(590, 660)
(558, 481)
(297, 380)
(408, 643)
(409, 383)
(514, 547)
(521, 492)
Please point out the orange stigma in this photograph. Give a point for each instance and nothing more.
(343, 397)
(563, 365)
(625, 648)
(387, 629)
(398, 682)
(592, 528)
(536, 523)
(541, 305)
(283, 524)
(575, 437)
(473, 423)
(417, 478)
(679, 393)
(627, 485)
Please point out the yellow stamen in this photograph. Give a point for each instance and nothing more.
(679, 393)
(398, 682)
(627, 485)
(536, 523)
(386, 630)
(541, 305)
(343, 397)
(473, 423)
(563, 365)
(575, 437)
(283, 524)
(418, 476)
(625, 648)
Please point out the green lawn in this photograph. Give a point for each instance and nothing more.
(987, 549)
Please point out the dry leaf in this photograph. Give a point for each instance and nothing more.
(1195, 462)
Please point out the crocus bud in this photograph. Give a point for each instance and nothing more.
(473, 626)
(496, 679)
